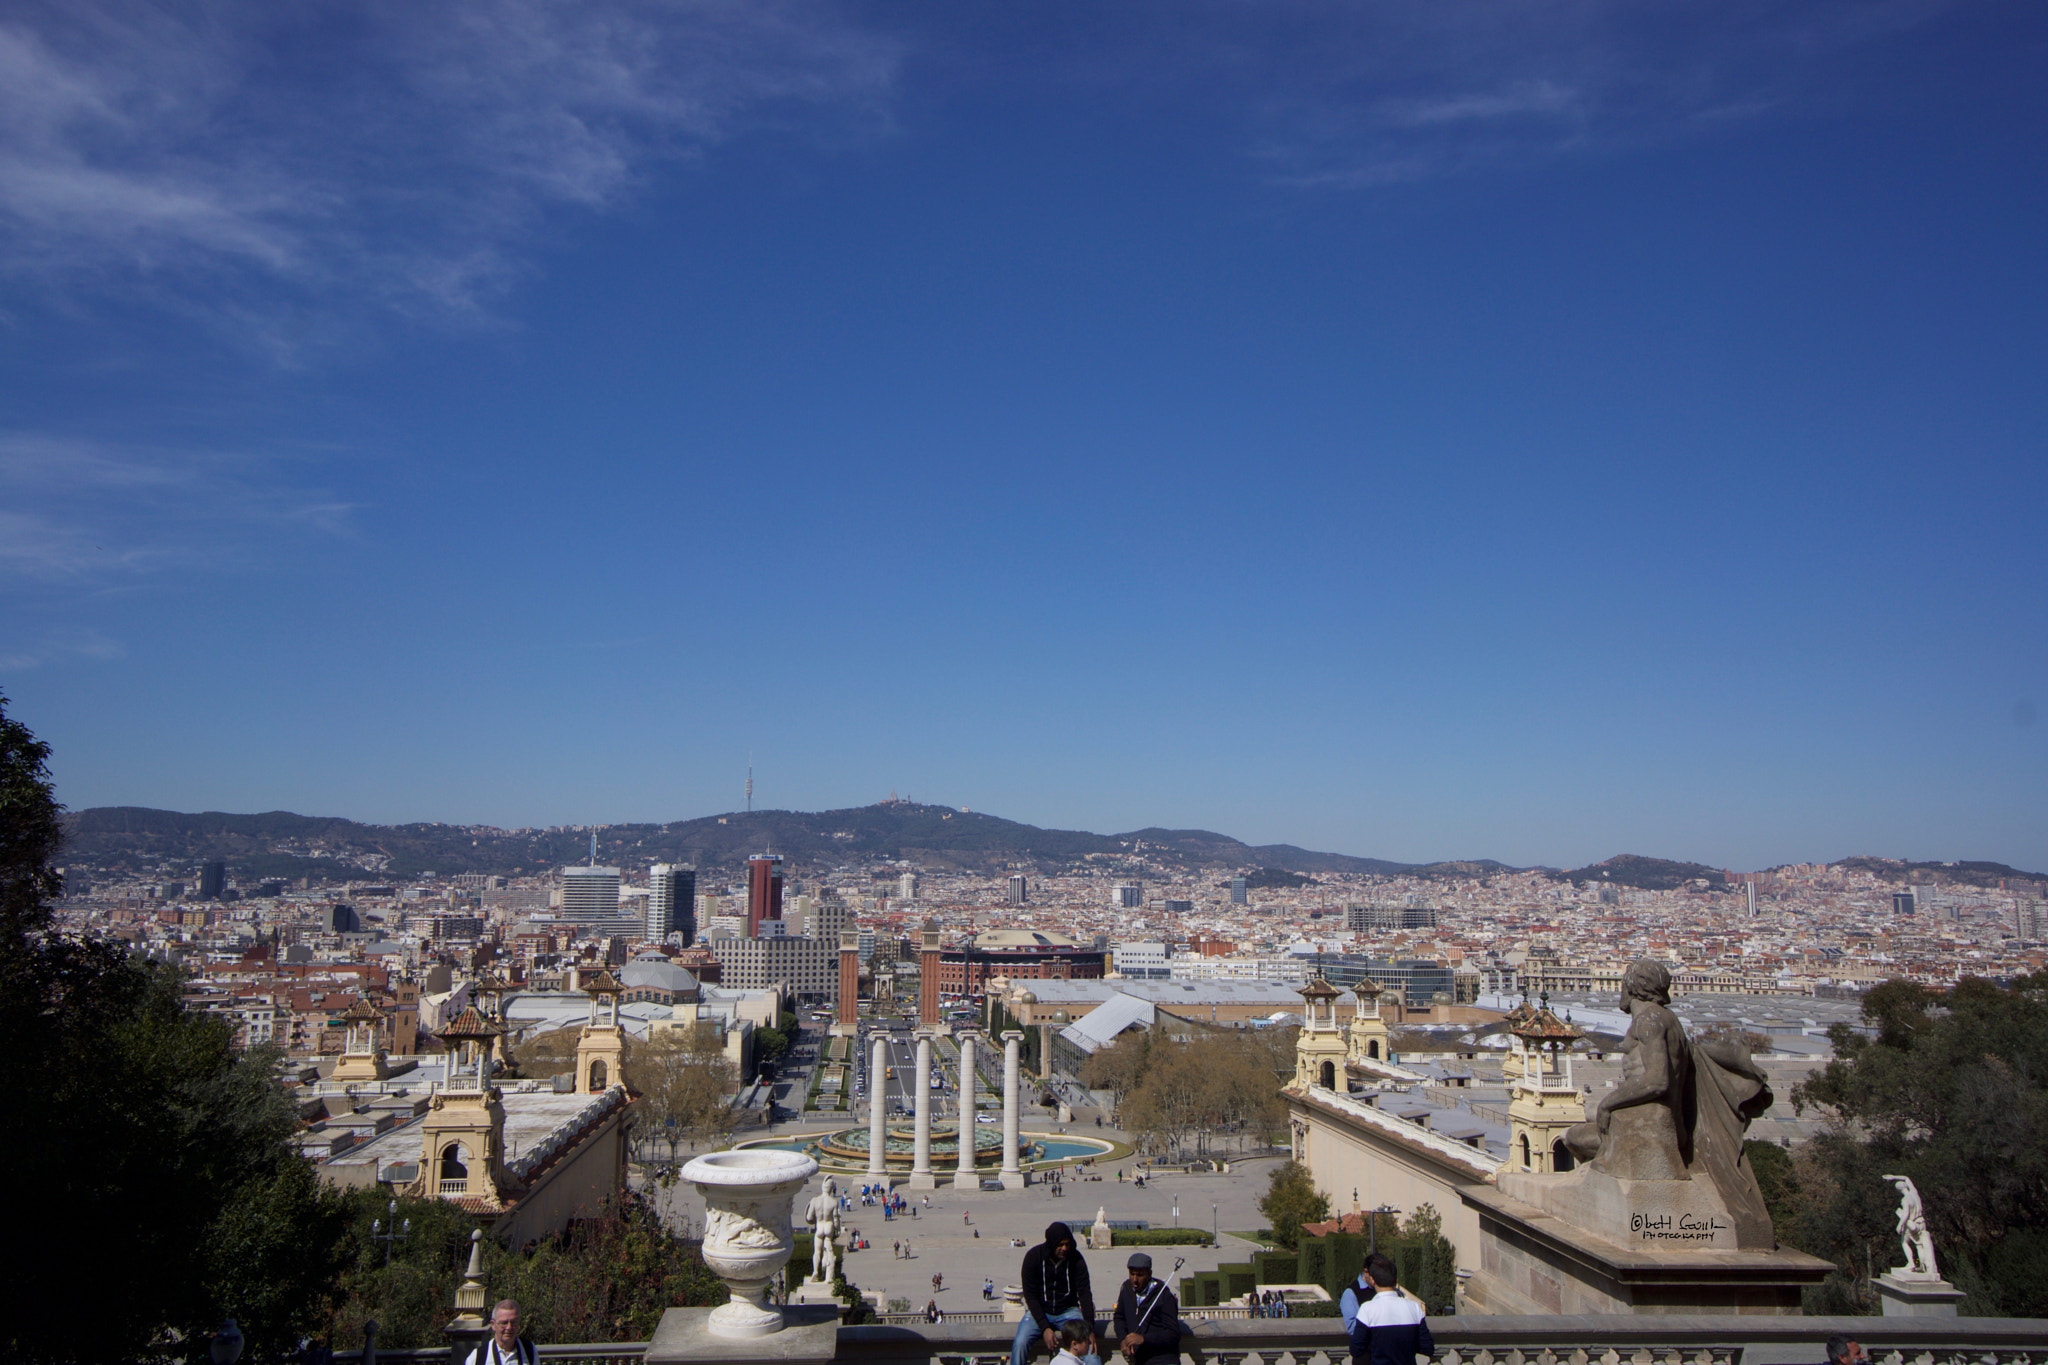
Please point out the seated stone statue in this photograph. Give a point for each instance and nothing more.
(1681, 1108)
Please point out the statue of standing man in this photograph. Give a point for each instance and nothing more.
(1913, 1235)
(822, 1213)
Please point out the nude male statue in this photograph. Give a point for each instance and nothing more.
(823, 1215)
(1637, 1133)
(1913, 1236)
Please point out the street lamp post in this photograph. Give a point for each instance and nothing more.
(1373, 1243)
(1215, 1224)
(393, 1233)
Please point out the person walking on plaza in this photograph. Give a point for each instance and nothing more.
(1056, 1290)
(1147, 1320)
(1387, 1328)
(505, 1346)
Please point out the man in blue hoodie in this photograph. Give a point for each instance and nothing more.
(1386, 1327)
(1056, 1290)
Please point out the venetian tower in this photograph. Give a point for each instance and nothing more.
(462, 1138)
(1542, 1100)
(1370, 1039)
(1319, 1051)
(1511, 1060)
(492, 991)
(601, 1051)
(361, 1058)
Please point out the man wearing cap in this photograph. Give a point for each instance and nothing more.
(1147, 1321)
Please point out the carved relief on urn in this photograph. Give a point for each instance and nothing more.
(746, 1230)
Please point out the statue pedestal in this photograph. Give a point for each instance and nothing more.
(813, 1292)
(1916, 1298)
(1665, 1214)
(685, 1335)
(1534, 1261)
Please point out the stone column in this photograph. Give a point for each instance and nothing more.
(878, 1133)
(1013, 1173)
(964, 1177)
(921, 1177)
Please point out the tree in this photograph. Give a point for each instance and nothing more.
(770, 1044)
(29, 833)
(1953, 1092)
(1119, 1067)
(1292, 1199)
(132, 1118)
(685, 1084)
(549, 1054)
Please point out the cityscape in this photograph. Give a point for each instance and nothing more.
(733, 682)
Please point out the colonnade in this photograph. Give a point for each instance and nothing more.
(922, 1176)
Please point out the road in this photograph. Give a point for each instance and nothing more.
(899, 1087)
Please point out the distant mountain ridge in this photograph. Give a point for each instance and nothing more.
(284, 844)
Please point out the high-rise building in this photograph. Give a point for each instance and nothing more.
(1179, 907)
(1127, 896)
(906, 886)
(672, 902)
(1018, 887)
(590, 895)
(1902, 903)
(764, 890)
(213, 879)
(2027, 919)
(1238, 895)
(827, 918)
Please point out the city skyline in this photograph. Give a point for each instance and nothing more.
(1426, 435)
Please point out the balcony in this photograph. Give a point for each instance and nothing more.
(972, 1339)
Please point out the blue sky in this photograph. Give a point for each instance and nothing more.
(1530, 431)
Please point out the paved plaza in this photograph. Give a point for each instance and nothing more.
(943, 1241)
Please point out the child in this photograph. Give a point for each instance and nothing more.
(1077, 1344)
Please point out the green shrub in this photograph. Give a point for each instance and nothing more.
(1160, 1237)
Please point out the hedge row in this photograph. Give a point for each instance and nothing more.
(1159, 1237)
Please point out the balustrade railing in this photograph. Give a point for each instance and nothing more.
(973, 1339)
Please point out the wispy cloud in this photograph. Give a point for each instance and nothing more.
(1383, 92)
(404, 153)
(72, 642)
(78, 514)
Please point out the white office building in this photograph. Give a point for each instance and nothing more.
(590, 895)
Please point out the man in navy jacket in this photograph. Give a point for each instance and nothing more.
(1388, 1327)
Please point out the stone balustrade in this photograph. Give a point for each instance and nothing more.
(1498, 1340)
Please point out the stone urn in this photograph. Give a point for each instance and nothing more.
(746, 1230)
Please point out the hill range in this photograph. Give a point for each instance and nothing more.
(136, 839)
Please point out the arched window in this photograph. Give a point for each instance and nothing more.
(1372, 1048)
(454, 1168)
(1561, 1157)
(1329, 1075)
(1525, 1152)
(597, 1076)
